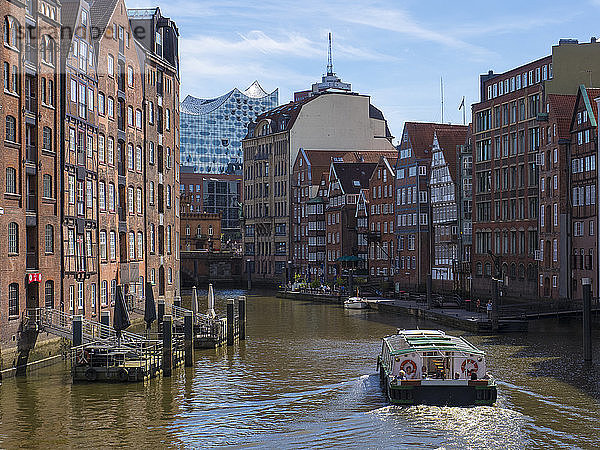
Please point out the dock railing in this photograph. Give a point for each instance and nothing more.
(61, 324)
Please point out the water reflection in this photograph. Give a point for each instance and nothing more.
(306, 377)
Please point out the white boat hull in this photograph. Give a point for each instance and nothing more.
(355, 304)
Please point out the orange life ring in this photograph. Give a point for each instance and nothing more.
(409, 366)
(473, 363)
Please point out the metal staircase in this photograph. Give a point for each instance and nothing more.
(60, 324)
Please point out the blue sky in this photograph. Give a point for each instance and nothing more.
(394, 51)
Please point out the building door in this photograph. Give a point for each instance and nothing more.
(32, 292)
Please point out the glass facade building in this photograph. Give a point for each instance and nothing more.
(212, 129)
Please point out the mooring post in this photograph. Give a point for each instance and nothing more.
(230, 322)
(161, 314)
(167, 332)
(242, 316)
(105, 321)
(77, 331)
(587, 322)
(188, 332)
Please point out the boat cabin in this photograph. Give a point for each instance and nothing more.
(431, 354)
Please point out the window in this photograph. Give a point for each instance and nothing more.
(110, 106)
(130, 116)
(138, 200)
(113, 245)
(140, 245)
(80, 295)
(11, 129)
(152, 238)
(151, 193)
(130, 200)
(130, 76)
(138, 159)
(130, 162)
(102, 245)
(131, 246)
(13, 238)
(138, 118)
(104, 293)
(47, 139)
(11, 180)
(151, 153)
(49, 239)
(101, 104)
(49, 294)
(13, 299)
(111, 65)
(111, 150)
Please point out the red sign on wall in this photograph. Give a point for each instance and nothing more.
(33, 277)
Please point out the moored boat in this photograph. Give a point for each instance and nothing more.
(356, 303)
(433, 368)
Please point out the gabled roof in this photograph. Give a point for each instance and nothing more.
(368, 156)
(562, 107)
(100, 13)
(353, 176)
(583, 96)
(289, 112)
(319, 161)
(449, 137)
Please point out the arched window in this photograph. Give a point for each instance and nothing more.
(168, 238)
(488, 269)
(49, 294)
(6, 31)
(104, 293)
(47, 139)
(187, 230)
(13, 299)
(11, 33)
(210, 230)
(140, 245)
(152, 238)
(521, 271)
(131, 246)
(11, 129)
(49, 239)
(170, 275)
(199, 230)
(13, 238)
(48, 50)
(11, 180)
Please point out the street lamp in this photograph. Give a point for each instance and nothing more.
(289, 271)
(496, 280)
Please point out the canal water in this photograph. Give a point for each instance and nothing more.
(306, 377)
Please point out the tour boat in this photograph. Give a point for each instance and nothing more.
(430, 367)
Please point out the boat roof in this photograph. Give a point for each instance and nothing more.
(408, 341)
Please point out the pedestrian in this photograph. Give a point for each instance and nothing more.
(489, 309)
(478, 305)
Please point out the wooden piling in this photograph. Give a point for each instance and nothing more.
(167, 332)
(230, 322)
(587, 319)
(105, 320)
(188, 331)
(161, 314)
(242, 317)
(77, 331)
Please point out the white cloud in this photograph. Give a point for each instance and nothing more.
(401, 22)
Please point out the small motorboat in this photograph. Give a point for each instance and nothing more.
(432, 368)
(356, 302)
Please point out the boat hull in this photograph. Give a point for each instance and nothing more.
(442, 395)
(356, 305)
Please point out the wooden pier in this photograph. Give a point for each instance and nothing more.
(100, 355)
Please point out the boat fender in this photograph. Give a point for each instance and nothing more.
(409, 366)
(472, 363)
(122, 374)
(91, 374)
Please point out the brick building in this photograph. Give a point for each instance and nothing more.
(217, 194)
(345, 184)
(381, 237)
(412, 207)
(30, 161)
(308, 202)
(554, 168)
(86, 180)
(584, 201)
(444, 188)
(200, 231)
(509, 130)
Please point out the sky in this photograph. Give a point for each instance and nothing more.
(395, 51)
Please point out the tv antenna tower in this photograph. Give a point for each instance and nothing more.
(329, 59)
